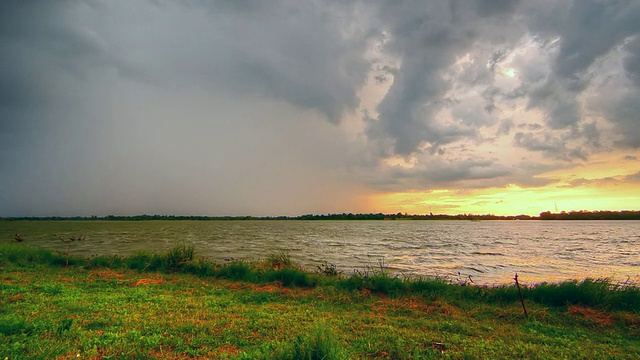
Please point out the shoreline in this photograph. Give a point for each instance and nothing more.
(173, 306)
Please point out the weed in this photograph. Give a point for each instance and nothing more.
(279, 260)
(319, 344)
(69, 241)
(23, 255)
(200, 268)
(589, 292)
(237, 270)
(179, 257)
(327, 269)
(291, 277)
(140, 261)
(11, 326)
(64, 326)
(426, 285)
(375, 279)
(109, 261)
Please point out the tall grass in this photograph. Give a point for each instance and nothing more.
(23, 255)
(319, 344)
(600, 293)
(179, 257)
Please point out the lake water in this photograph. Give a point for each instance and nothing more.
(488, 251)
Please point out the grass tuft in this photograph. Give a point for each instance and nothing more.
(291, 277)
(327, 269)
(279, 261)
(319, 344)
(179, 257)
(589, 292)
(12, 326)
(236, 270)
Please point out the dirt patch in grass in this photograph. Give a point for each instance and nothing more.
(15, 298)
(142, 282)
(228, 349)
(106, 274)
(591, 315)
(416, 305)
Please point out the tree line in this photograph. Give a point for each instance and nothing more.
(572, 215)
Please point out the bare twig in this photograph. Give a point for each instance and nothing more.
(68, 242)
(521, 298)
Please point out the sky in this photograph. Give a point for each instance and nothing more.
(288, 107)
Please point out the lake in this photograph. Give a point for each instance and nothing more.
(488, 251)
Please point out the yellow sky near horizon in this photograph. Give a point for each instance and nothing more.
(602, 184)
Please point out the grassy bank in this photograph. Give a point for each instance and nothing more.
(175, 306)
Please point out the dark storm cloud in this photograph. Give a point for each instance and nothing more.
(145, 107)
(632, 61)
(550, 145)
(103, 100)
(591, 29)
(427, 37)
(496, 7)
(587, 31)
(246, 47)
(575, 35)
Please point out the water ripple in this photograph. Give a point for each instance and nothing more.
(491, 251)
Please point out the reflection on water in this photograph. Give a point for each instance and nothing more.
(490, 251)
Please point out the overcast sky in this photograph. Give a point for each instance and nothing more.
(288, 107)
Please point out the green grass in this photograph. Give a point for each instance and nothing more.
(142, 307)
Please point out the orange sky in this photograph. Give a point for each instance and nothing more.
(600, 185)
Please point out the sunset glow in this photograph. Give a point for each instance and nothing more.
(511, 200)
(289, 108)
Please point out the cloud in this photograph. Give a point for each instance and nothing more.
(606, 181)
(176, 107)
(591, 31)
(428, 39)
(243, 106)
